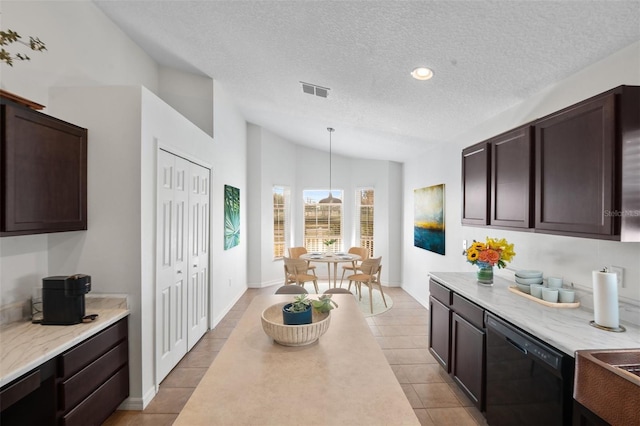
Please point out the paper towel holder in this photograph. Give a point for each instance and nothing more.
(618, 329)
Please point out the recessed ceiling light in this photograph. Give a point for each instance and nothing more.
(422, 73)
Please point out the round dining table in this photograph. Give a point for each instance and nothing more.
(330, 258)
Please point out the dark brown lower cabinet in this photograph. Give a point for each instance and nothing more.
(81, 386)
(468, 358)
(457, 339)
(582, 416)
(440, 332)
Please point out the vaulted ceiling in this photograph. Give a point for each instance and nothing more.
(487, 56)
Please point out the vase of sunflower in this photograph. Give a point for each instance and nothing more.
(493, 252)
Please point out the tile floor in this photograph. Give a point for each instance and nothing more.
(402, 333)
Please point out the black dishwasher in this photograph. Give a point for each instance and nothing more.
(528, 381)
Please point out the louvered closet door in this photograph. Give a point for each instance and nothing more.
(197, 306)
(171, 262)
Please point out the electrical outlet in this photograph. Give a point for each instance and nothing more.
(229, 282)
(619, 271)
(464, 245)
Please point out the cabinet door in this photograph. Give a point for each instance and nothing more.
(44, 173)
(467, 359)
(575, 169)
(440, 332)
(475, 184)
(512, 179)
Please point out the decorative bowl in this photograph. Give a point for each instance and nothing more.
(524, 288)
(293, 335)
(529, 274)
(528, 281)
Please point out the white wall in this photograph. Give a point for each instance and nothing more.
(86, 49)
(276, 161)
(569, 257)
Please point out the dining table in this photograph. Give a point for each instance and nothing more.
(343, 378)
(330, 258)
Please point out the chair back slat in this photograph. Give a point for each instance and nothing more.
(370, 266)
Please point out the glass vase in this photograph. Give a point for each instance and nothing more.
(485, 275)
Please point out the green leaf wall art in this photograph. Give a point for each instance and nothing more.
(231, 217)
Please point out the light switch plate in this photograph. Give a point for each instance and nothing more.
(619, 271)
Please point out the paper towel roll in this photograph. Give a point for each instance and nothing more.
(605, 299)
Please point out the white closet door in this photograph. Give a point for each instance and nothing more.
(197, 306)
(172, 268)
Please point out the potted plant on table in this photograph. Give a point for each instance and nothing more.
(329, 243)
(300, 310)
(297, 312)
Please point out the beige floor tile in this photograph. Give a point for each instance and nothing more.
(410, 356)
(221, 332)
(412, 396)
(183, 378)
(477, 415)
(465, 401)
(403, 342)
(399, 320)
(436, 395)
(169, 401)
(451, 417)
(210, 345)
(398, 370)
(423, 373)
(423, 417)
(201, 359)
(404, 330)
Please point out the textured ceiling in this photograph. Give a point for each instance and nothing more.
(487, 56)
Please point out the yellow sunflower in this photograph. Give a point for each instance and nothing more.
(472, 254)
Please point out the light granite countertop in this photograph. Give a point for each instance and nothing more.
(567, 329)
(24, 345)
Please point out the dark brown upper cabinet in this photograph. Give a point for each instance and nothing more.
(512, 179)
(43, 173)
(475, 184)
(580, 152)
(575, 172)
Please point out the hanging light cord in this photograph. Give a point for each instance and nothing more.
(331, 130)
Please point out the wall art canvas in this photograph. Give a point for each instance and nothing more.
(428, 222)
(231, 217)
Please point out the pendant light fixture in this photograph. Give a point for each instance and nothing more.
(330, 199)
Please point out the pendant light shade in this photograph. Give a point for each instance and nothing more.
(330, 199)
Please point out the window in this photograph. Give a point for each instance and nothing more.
(364, 218)
(322, 220)
(281, 215)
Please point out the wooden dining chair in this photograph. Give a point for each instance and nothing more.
(369, 275)
(291, 289)
(355, 266)
(296, 252)
(296, 272)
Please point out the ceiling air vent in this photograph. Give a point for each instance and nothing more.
(313, 89)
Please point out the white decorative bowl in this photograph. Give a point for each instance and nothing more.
(293, 335)
(528, 281)
(528, 274)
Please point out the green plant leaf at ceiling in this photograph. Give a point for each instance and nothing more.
(231, 217)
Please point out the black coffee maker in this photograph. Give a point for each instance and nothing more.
(63, 299)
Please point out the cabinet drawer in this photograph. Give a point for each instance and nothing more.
(440, 292)
(100, 404)
(79, 386)
(468, 310)
(79, 357)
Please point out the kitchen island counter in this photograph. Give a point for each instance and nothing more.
(564, 328)
(341, 379)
